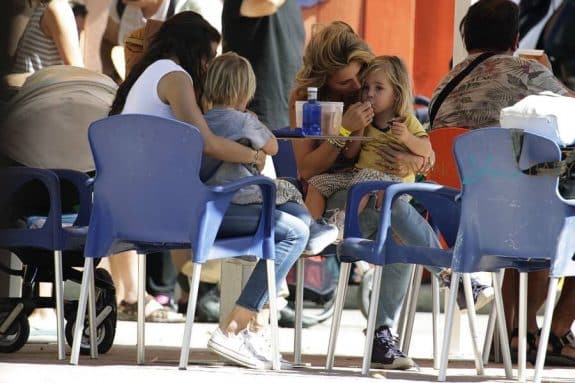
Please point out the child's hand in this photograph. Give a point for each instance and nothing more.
(399, 130)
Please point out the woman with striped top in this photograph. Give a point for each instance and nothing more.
(50, 38)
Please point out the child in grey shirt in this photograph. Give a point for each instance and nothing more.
(229, 86)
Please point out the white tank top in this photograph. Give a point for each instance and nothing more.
(143, 96)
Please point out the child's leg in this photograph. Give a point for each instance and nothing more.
(315, 202)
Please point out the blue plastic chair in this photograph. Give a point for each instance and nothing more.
(51, 236)
(148, 196)
(440, 202)
(511, 219)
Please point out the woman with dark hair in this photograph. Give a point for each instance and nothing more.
(167, 82)
(490, 29)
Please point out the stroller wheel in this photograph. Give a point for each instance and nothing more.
(104, 335)
(16, 336)
(365, 292)
(106, 307)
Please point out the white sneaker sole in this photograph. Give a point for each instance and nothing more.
(236, 357)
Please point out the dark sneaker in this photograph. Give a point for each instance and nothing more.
(482, 294)
(386, 353)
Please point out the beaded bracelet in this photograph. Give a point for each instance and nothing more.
(338, 143)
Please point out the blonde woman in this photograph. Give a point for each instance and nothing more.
(387, 88)
(335, 61)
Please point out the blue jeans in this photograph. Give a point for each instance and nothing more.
(291, 236)
(412, 229)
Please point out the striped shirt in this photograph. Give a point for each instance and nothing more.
(35, 50)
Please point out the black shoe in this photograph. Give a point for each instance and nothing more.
(287, 318)
(482, 294)
(386, 354)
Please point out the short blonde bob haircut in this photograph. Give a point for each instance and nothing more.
(394, 70)
(332, 48)
(230, 80)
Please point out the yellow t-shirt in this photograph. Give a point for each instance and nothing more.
(369, 154)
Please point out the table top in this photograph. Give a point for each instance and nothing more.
(296, 134)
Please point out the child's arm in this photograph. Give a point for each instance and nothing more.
(420, 146)
(271, 147)
(352, 148)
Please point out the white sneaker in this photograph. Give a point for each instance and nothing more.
(321, 235)
(338, 219)
(233, 348)
(260, 343)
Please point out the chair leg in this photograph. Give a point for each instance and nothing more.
(543, 341)
(502, 328)
(472, 322)
(141, 341)
(59, 288)
(92, 316)
(435, 318)
(273, 313)
(338, 310)
(448, 324)
(300, 266)
(412, 301)
(79, 326)
(489, 334)
(404, 312)
(373, 303)
(190, 315)
(522, 346)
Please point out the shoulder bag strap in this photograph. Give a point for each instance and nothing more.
(171, 9)
(454, 82)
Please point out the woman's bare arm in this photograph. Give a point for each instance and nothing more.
(59, 24)
(177, 90)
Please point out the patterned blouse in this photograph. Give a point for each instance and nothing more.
(498, 82)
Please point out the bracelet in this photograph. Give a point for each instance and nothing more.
(344, 132)
(422, 167)
(255, 161)
(337, 142)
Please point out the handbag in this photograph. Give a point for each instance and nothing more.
(564, 169)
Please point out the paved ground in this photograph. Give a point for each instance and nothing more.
(37, 363)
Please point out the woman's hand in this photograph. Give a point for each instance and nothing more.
(395, 160)
(259, 160)
(357, 116)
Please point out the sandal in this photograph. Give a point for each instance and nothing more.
(531, 346)
(153, 311)
(554, 357)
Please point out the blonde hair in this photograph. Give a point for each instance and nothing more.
(230, 80)
(332, 48)
(395, 71)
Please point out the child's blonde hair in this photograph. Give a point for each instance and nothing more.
(394, 69)
(230, 80)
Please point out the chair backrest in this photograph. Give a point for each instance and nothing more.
(444, 171)
(147, 186)
(504, 211)
(284, 160)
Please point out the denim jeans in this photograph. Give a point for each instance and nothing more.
(291, 236)
(412, 229)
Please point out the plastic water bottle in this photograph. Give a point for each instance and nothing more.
(311, 125)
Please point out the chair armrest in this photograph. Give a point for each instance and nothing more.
(12, 178)
(438, 199)
(79, 180)
(268, 189)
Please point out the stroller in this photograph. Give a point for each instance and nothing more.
(46, 128)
